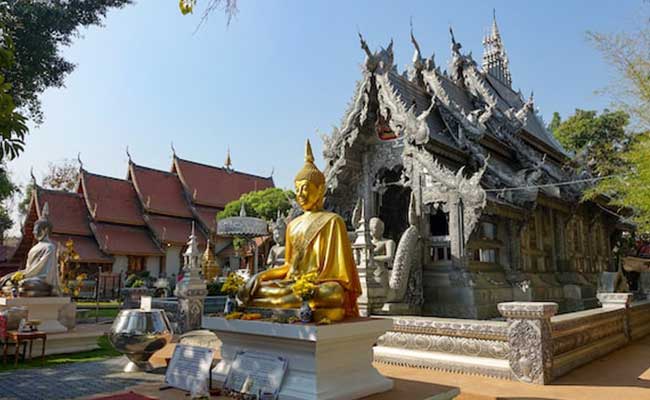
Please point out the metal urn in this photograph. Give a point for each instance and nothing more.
(138, 334)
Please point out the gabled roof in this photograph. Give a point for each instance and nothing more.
(171, 230)
(160, 192)
(125, 240)
(110, 199)
(85, 246)
(68, 213)
(207, 216)
(215, 187)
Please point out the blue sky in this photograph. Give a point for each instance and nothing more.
(284, 71)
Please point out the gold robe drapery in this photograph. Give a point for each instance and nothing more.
(318, 241)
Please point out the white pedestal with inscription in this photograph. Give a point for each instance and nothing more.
(326, 362)
(44, 309)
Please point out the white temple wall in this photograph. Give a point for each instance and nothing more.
(173, 261)
(152, 264)
(120, 265)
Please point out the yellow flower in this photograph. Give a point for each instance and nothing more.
(232, 284)
(234, 315)
(305, 286)
(17, 277)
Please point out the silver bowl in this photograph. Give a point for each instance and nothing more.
(138, 334)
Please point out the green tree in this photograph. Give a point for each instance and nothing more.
(7, 190)
(263, 204)
(556, 120)
(597, 140)
(632, 189)
(13, 126)
(629, 54)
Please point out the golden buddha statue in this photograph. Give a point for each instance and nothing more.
(316, 241)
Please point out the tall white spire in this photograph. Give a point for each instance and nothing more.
(495, 59)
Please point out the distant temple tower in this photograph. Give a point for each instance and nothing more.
(495, 60)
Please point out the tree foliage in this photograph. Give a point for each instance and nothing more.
(39, 29)
(629, 54)
(263, 204)
(228, 6)
(556, 120)
(597, 140)
(7, 190)
(632, 189)
(13, 126)
(63, 175)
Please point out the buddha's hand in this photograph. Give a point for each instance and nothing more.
(248, 290)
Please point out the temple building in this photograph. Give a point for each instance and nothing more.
(141, 223)
(499, 217)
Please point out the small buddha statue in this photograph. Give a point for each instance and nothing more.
(41, 276)
(384, 249)
(316, 241)
(276, 254)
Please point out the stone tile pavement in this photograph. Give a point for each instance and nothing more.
(70, 381)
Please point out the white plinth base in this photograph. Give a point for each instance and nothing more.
(44, 309)
(325, 362)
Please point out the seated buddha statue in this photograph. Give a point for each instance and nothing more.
(41, 273)
(317, 241)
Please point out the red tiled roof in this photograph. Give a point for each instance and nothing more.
(173, 230)
(111, 200)
(160, 192)
(68, 213)
(216, 187)
(86, 247)
(207, 216)
(125, 240)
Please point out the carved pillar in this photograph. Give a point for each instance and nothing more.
(529, 337)
(457, 230)
(191, 290)
(514, 231)
(613, 301)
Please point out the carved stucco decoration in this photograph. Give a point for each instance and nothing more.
(444, 181)
(403, 120)
(446, 344)
(490, 330)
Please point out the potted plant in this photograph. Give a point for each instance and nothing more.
(305, 289)
(230, 287)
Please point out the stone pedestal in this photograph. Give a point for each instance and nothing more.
(44, 309)
(529, 337)
(325, 362)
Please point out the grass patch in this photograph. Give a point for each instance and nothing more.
(102, 313)
(105, 351)
(102, 304)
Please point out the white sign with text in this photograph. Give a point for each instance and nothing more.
(257, 374)
(189, 368)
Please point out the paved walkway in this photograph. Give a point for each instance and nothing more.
(623, 374)
(70, 381)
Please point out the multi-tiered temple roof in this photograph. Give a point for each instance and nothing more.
(140, 215)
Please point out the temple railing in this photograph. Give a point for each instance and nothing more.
(532, 345)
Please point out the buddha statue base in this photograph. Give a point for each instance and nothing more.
(332, 314)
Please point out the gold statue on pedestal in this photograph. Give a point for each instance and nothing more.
(316, 241)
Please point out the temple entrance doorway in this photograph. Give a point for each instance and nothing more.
(393, 201)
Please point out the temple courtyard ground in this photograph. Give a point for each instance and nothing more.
(624, 374)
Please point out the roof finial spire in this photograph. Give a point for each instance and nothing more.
(81, 163)
(127, 153)
(31, 176)
(173, 149)
(495, 60)
(228, 162)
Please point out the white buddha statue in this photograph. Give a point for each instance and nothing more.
(41, 275)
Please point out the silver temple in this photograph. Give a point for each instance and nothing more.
(466, 162)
